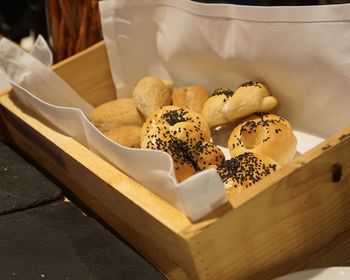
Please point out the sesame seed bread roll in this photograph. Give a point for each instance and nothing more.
(241, 172)
(169, 116)
(128, 136)
(265, 134)
(151, 94)
(185, 136)
(191, 98)
(157, 138)
(116, 113)
(226, 106)
(160, 138)
(207, 155)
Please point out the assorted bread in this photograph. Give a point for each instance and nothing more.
(179, 120)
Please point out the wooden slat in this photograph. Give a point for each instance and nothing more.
(89, 74)
(300, 210)
(149, 224)
(335, 253)
(3, 131)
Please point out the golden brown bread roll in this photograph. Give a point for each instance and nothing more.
(184, 135)
(176, 117)
(191, 97)
(128, 136)
(241, 172)
(265, 134)
(151, 94)
(116, 113)
(225, 106)
(159, 138)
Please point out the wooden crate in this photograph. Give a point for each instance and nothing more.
(297, 218)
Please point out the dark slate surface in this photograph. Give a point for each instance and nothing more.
(22, 186)
(56, 241)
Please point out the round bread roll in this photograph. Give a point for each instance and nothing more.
(151, 94)
(157, 138)
(225, 106)
(184, 135)
(116, 113)
(128, 136)
(266, 134)
(192, 98)
(241, 172)
(173, 116)
(160, 138)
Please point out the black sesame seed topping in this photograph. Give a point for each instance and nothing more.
(251, 125)
(223, 91)
(251, 84)
(173, 117)
(244, 168)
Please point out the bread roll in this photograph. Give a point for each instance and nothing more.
(128, 136)
(207, 155)
(226, 106)
(241, 172)
(184, 135)
(116, 113)
(159, 138)
(173, 116)
(151, 94)
(191, 97)
(265, 134)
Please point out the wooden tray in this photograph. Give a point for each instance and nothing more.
(295, 219)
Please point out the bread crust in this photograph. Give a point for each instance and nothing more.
(150, 94)
(116, 113)
(226, 106)
(185, 136)
(176, 116)
(266, 134)
(241, 172)
(128, 136)
(190, 97)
